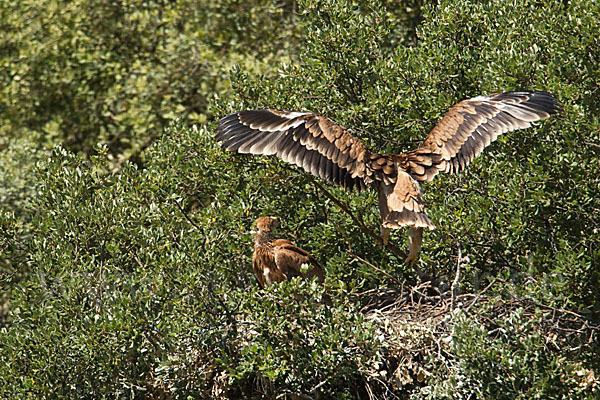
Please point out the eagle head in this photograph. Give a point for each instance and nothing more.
(266, 224)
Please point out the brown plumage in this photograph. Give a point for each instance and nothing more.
(278, 260)
(328, 151)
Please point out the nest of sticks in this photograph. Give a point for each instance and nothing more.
(417, 322)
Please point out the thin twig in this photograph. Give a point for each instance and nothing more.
(456, 281)
(476, 299)
(591, 143)
(187, 216)
(359, 223)
(362, 260)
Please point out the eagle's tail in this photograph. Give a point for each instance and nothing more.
(401, 204)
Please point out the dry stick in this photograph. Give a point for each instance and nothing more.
(396, 281)
(476, 299)
(456, 278)
(591, 143)
(359, 223)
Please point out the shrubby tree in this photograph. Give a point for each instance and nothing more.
(118, 72)
(505, 207)
(136, 281)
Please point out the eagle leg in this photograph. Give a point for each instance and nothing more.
(385, 234)
(415, 238)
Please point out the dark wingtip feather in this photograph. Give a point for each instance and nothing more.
(289, 136)
(224, 125)
(542, 100)
(547, 100)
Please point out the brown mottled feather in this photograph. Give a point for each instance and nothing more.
(277, 260)
(326, 150)
(305, 139)
(473, 124)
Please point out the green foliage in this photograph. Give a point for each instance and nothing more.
(125, 279)
(303, 347)
(513, 361)
(18, 157)
(117, 72)
(530, 200)
(133, 270)
(282, 340)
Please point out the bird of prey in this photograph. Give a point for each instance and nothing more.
(330, 152)
(278, 260)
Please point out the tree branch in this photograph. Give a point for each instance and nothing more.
(456, 282)
(362, 260)
(356, 220)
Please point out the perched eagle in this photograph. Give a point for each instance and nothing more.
(328, 151)
(278, 260)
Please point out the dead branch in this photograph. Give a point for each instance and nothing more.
(456, 279)
(474, 301)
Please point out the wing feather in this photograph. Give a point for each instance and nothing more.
(308, 140)
(473, 124)
(269, 144)
(257, 142)
(322, 169)
(236, 142)
(291, 260)
(285, 147)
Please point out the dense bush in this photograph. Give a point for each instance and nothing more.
(513, 360)
(136, 282)
(131, 267)
(118, 72)
(538, 185)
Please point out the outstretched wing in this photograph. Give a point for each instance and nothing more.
(308, 140)
(473, 124)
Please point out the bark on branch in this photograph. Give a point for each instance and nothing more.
(357, 220)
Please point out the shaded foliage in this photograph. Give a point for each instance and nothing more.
(118, 72)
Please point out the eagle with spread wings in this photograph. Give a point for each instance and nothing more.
(328, 151)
